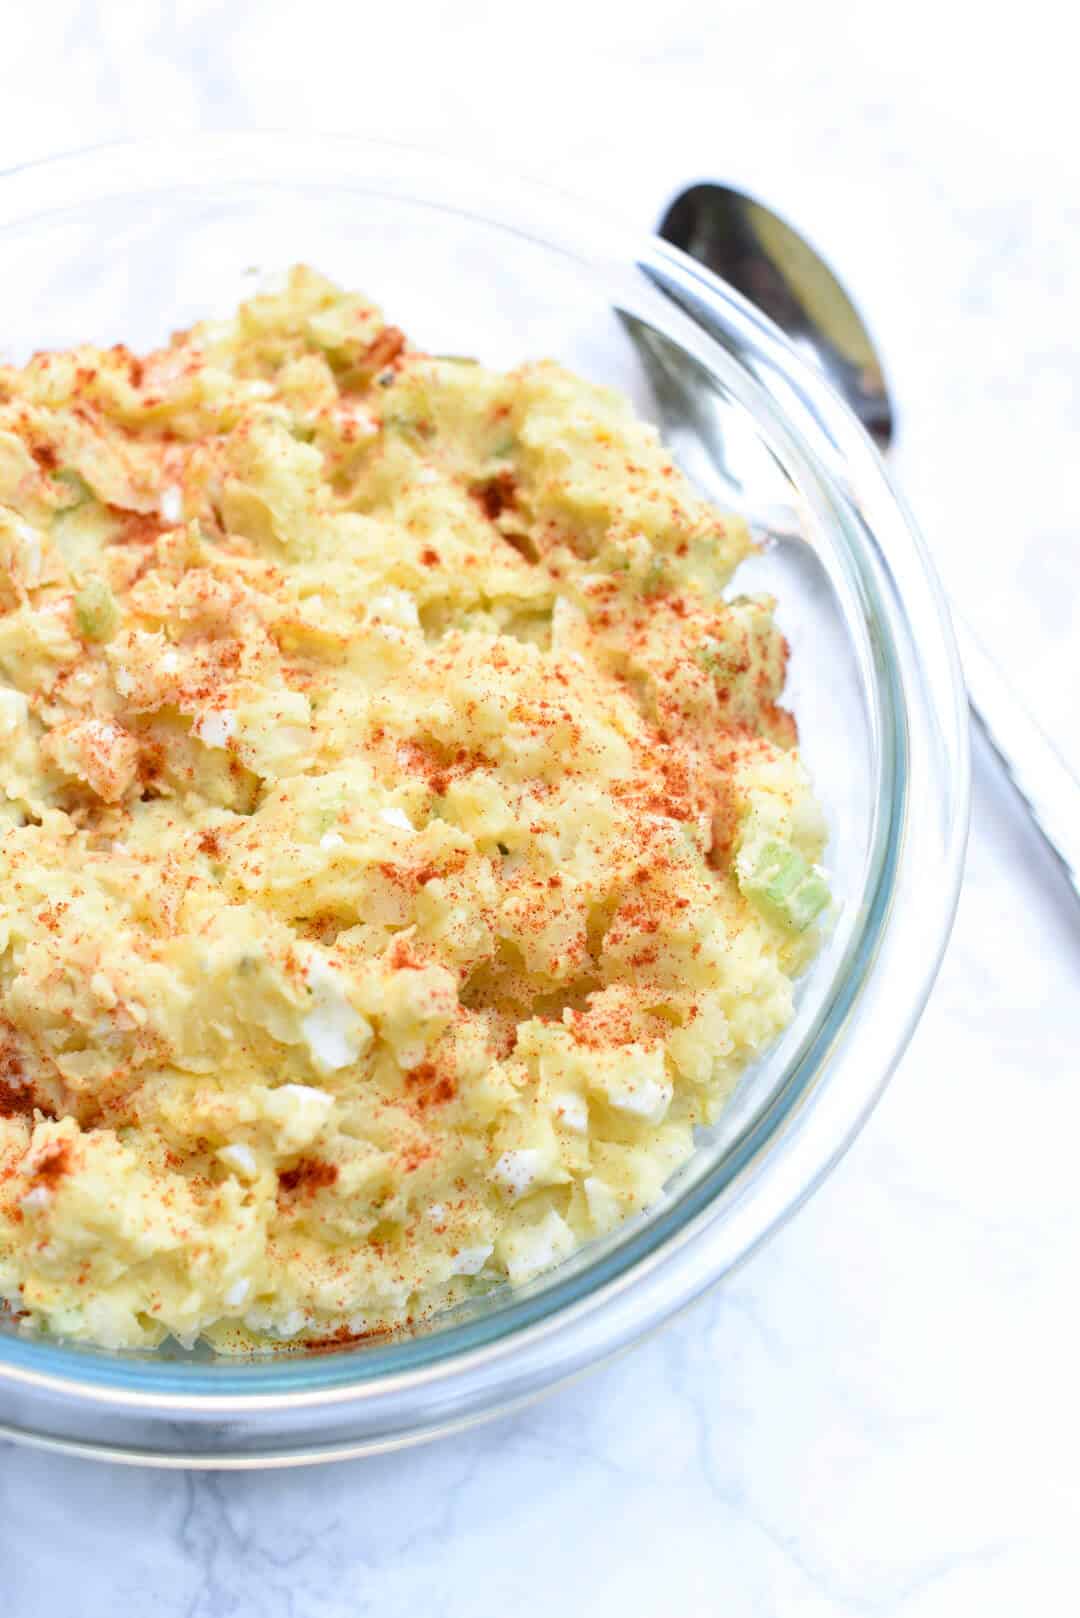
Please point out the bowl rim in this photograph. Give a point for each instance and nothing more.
(832, 442)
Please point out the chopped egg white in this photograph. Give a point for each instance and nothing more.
(634, 1081)
(13, 709)
(30, 553)
(328, 1041)
(471, 1260)
(572, 1111)
(240, 1158)
(395, 607)
(519, 1170)
(215, 727)
(530, 1249)
(171, 504)
(334, 1031)
(299, 1112)
(602, 1203)
(396, 817)
(283, 1326)
(642, 1096)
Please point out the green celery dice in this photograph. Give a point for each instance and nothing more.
(784, 887)
(96, 612)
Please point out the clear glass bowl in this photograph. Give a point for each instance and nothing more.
(130, 242)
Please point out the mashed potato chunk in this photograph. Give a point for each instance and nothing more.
(402, 845)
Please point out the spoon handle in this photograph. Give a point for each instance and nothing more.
(1033, 763)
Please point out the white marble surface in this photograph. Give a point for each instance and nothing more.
(879, 1416)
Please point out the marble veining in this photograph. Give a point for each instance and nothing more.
(877, 1417)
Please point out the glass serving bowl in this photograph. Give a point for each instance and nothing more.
(128, 243)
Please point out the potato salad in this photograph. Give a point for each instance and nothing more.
(403, 848)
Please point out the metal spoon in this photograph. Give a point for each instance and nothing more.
(764, 258)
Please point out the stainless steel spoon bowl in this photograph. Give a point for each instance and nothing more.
(776, 268)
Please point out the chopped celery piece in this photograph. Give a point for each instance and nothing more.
(96, 612)
(656, 576)
(784, 887)
(75, 484)
(717, 657)
(411, 429)
(456, 359)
